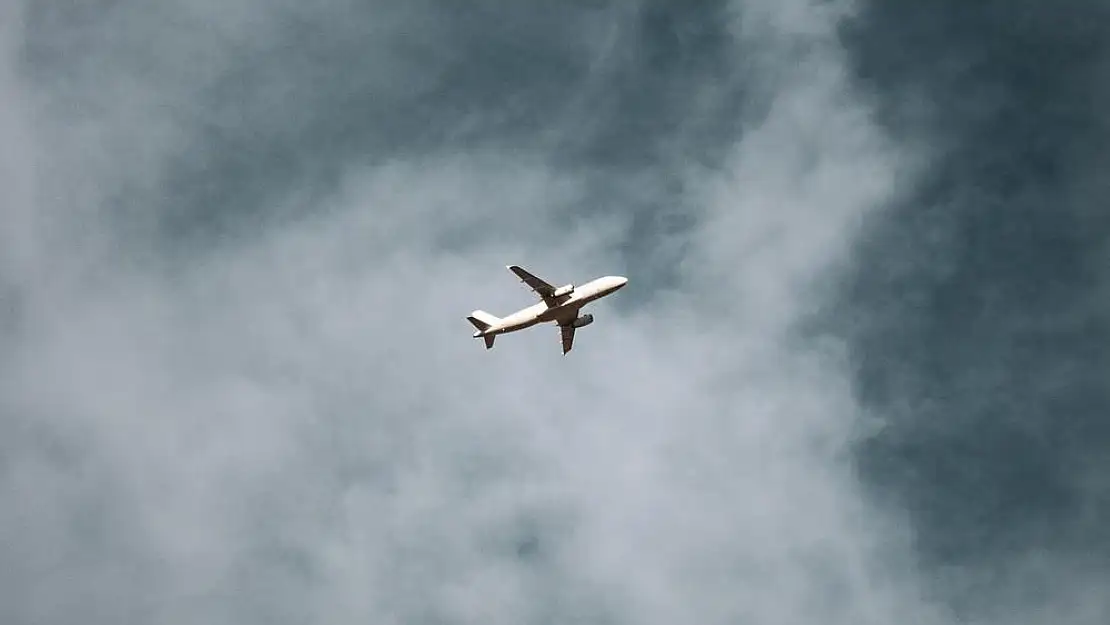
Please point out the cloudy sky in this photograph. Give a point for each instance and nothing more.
(858, 374)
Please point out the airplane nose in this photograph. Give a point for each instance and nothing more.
(620, 281)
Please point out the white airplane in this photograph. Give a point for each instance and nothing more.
(560, 305)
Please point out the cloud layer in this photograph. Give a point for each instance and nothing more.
(241, 243)
(979, 301)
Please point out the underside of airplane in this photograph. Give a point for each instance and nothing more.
(559, 305)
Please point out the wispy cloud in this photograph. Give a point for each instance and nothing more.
(221, 411)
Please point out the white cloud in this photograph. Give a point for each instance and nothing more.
(297, 425)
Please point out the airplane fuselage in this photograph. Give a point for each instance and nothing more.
(562, 310)
(559, 305)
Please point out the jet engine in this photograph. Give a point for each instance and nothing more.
(583, 321)
(566, 289)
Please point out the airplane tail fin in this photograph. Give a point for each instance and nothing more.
(482, 320)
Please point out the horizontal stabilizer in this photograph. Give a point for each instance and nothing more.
(482, 320)
(489, 340)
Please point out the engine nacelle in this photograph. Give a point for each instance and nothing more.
(566, 289)
(583, 321)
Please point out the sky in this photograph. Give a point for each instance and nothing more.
(856, 376)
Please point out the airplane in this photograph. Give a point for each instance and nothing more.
(559, 305)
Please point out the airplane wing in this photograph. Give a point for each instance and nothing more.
(568, 337)
(543, 289)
